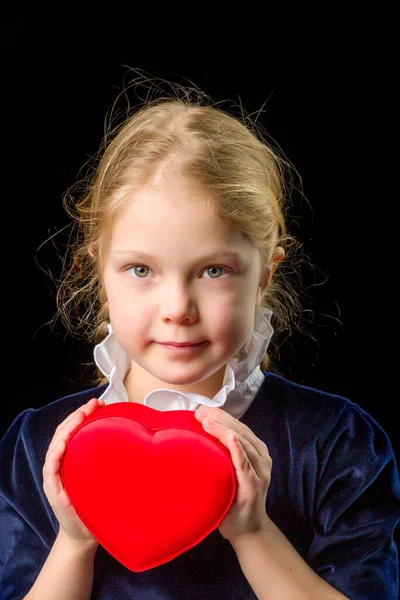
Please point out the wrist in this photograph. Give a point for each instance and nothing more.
(76, 546)
(242, 541)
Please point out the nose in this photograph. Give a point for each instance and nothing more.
(177, 304)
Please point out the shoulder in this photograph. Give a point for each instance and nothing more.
(35, 427)
(299, 396)
(313, 413)
(297, 400)
(336, 444)
(57, 411)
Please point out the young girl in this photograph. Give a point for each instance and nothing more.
(182, 238)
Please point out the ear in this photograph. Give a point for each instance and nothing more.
(266, 276)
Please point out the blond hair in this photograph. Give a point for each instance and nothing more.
(225, 154)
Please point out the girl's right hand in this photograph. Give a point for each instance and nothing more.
(70, 524)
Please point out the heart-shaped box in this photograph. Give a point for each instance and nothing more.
(148, 484)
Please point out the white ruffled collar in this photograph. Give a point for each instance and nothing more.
(241, 383)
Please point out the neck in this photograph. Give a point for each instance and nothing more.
(138, 383)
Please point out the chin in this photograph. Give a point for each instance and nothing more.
(184, 375)
(184, 379)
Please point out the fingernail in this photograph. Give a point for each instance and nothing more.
(202, 411)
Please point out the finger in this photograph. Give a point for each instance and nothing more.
(226, 420)
(259, 466)
(73, 420)
(249, 485)
(66, 428)
(52, 484)
(240, 458)
(87, 408)
(76, 419)
(226, 435)
(262, 465)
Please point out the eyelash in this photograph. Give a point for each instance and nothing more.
(131, 267)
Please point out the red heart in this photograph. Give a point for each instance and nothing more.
(148, 484)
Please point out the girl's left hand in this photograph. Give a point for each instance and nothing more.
(253, 465)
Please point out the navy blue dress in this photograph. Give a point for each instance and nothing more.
(334, 493)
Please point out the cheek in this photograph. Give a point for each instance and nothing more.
(130, 318)
(131, 330)
(232, 324)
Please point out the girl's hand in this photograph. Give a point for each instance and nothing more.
(253, 465)
(70, 524)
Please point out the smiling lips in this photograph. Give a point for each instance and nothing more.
(180, 345)
(183, 349)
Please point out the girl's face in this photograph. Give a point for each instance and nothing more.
(168, 278)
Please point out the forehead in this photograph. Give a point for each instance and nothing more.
(174, 213)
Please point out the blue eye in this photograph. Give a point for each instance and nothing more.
(214, 267)
(133, 272)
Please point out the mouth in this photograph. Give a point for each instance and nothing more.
(183, 348)
(180, 345)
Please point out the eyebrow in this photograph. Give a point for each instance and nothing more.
(218, 255)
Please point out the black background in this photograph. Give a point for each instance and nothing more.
(329, 113)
